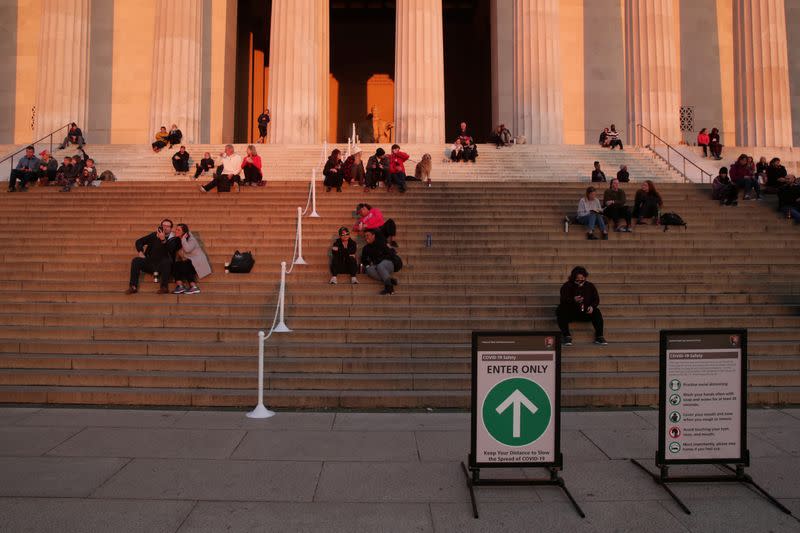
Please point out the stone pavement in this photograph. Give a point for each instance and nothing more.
(102, 470)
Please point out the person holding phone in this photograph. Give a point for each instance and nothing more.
(579, 303)
(155, 253)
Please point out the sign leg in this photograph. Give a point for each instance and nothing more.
(662, 483)
(569, 495)
(471, 491)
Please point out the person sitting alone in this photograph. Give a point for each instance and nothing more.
(332, 172)
(613, 138)
(180, 161)
(723, 190)
(380, 261)
(67, 174)
(615, 208)
(590, 214)
(191, 262)
(161, 139)
(48, 168)
(155, 254)
(623, 175)
(579, 302)
(205, 164)
(174, 136)
(251, 167)
(228, 171)
(397, 169)
(26, 171)
(598, 176)
(376, 171)
(501, 136)
(703, 140)
(74, 136)
(647, 203)
(372, 218)
(422, 172)
(263, 122)
(343, 257)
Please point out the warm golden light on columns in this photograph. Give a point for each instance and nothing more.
(761, 74)
(177, 67)
(652, 68)
(538, 98)
(419, 72)
(62, 92)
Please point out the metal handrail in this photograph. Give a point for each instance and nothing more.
(34, 143)
(641, 128)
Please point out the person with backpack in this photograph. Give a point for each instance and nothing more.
(647, 203)
(380, 261)
(579, 302)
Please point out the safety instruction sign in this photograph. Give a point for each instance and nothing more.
(703, 407)
(515, 399)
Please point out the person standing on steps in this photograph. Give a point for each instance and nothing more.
(579, 303)
(380, 261)
(263, 123)
(156, 253)
(343, 257)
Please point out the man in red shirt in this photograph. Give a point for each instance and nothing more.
(397, 170)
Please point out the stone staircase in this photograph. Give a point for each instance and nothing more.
(69, 335)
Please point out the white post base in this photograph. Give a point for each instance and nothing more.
(260, 412)
(282, 328)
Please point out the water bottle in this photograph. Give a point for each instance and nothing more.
(428, 240)
(566, 224)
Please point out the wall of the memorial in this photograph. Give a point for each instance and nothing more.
(8, 70)
(793, 36)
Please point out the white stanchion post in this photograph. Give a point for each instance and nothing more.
(314, 213)
(282, 327)
(299, 260)
(261, 410)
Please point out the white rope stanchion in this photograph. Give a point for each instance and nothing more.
(281, 327)
(299, 259)
(260, 410)
(314, 213)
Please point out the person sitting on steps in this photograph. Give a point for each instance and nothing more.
(647, 203)
(88, 173)
(742, 175)
(156, 253)
(205, 164)
(615, 208)
(74, 136)
(67, 174)
(372, 218)
(180, 161)
(590, 214)
(579, 303)
(230, 166)
(723, 190)
(48, 168)
(715, 144)
(703, 140)
(343, 257)
(353, 169)
(376, 171)
(397, 169)
(174, 136)
(469, 150)
(623, 175)
(332, 172)
(613, 138)
(162, 136)
(598, 176)
(191, 263)
(380, 261)
(26, 171)
(251, 167)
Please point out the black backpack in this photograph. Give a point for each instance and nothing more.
(241, 263)
(672, 219)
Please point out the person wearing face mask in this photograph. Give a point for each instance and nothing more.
(343, 257)
(579, 303)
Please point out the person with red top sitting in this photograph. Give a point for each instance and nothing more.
(703, 140)
(372, 218)
(251, 166)
(397, 170)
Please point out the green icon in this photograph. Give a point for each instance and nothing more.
(516, 412)
(674, 447)
(675, 384)
(674, 417)
(675, 399)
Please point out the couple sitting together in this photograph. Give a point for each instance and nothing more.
(170, 253)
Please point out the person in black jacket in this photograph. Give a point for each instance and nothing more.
(180, 161)
(343, 257)
(175, 135)
(67, 174)
(598, 176)
(333, 172)
(74, 136)
(156, 254)
(48, 167)
(377, 169)
(205, 164)
(579, 302)
(380, 261)
(263, 121)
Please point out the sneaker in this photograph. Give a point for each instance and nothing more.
(567, 341)
(619, 229)
(627, 229)
(591, 237)
(193, 290)
(354, 281)
(601, 341)
(131, 290)
(333, 280)
(387, 291)
(747, 197)
(180, 289)
(203, 189)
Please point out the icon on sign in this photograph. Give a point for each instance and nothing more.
(674, 384)
(674, 432)
(675, 399)
(674, 417)
(674, 447)
(549, 342)
(735, 340)
(517, 412)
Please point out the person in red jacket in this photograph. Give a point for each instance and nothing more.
(397, 170)
(703, 140)
(251, 166)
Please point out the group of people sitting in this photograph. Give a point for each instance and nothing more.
(231, 168)
(755, 179)
(379, 258)
(381, 168)
(710, 142)
(609, 138)
(77, 170)
(167, 139)
(170, 253)
(593, 213)
(464, 147)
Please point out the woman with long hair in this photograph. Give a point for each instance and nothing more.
(191, 263)
(590, 214)
(251, 166)
(422, 171)
(647, 203)
(332, 172)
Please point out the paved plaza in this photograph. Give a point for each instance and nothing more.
(76, 470)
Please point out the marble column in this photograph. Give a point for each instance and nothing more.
(538, 99)
(299, 62)
(652, 69)
(761, 74)
(419, 72)
(62, 94)
(176, 95)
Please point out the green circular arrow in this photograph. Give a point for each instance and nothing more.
(516, 412)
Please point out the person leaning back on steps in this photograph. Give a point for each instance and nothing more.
(156, 253)
(579, 303)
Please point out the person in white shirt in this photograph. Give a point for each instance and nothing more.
(590, 214)
(612, 137)
(228, 171)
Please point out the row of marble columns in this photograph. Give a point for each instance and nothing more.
(299, 69)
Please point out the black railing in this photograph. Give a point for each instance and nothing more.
(671, 160)
(49, 136)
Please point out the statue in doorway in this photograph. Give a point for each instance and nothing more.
(381, 129)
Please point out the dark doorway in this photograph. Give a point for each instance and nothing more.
(467, 68)
(252, 67)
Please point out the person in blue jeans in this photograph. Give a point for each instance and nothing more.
(590, 214)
